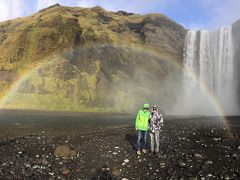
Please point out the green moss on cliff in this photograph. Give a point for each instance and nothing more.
(50, 84)
(50, 102)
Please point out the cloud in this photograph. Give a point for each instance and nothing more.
(4, 11)
(10, 9)
(220, 12)
(193, 26)
(45, 3)
(225, 13)
(86, 3)
(204, 14)
(136, 6)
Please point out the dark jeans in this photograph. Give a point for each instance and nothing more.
(141, 134)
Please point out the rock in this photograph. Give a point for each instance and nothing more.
(227, 155)
(45, 161)
(227, 177)
(217, 139)
(234, 155)
(162, 165)
(209, 175)
(51, 173)
(27, 165)
(198, 156)
(35, 166)
(209, 162)
(116, 172)
(4, 164)
(64, 151)
(182, 164)
(65, 171)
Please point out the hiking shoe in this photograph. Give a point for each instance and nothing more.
(139, 152)
(144, 151)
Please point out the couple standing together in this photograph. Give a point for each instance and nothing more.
(148, 121)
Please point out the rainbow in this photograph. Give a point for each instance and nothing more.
(24, 76)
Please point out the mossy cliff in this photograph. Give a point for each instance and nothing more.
(94, 60)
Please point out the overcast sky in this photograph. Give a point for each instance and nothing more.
(193, 14)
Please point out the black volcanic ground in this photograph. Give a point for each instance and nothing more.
(191, 148)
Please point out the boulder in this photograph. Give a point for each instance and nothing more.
(64, 151)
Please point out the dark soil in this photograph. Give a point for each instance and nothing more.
(190, 148)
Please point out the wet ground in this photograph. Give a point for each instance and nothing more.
(190, 147)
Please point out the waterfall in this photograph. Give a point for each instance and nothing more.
(209, 55)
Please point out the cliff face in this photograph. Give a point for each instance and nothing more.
(93, 59)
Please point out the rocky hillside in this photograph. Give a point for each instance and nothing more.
(89, 59)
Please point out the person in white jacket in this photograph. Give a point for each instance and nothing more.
(155, 125)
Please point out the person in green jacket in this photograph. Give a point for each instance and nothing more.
(141, 126)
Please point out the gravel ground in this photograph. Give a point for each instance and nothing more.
(190, 148)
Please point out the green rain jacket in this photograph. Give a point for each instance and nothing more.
(142, 120)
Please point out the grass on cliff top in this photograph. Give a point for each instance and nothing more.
(93, 23)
